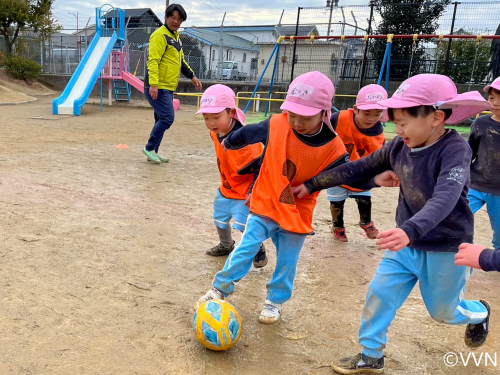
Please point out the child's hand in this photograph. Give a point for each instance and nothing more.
(387, 179)
(469, 255)
(223, 145)
(393, 239)
(300, 191)
(247, 200)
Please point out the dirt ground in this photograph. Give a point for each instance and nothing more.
(103, 257)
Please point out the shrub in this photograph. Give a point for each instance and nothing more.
(22, 68)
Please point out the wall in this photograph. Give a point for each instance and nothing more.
(59, 82)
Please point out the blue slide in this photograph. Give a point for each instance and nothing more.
(79, 87)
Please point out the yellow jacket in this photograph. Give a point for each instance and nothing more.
(166, 60)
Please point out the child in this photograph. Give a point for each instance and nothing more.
(362, 133)
(431, 166)
(477, 256)
(237, 168)
(484, 141)
(300, 143)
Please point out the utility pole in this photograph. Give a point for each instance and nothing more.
(167, 3)
(330, 4)
(221, 48)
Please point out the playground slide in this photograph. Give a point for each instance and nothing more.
(133, 81)
(82, 82)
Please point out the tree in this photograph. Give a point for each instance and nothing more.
(467, 59)
(400, 17)
(18, 15)
(495, 56)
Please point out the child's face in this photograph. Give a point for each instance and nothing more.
(418, 131)
(366, 119)
(219, 123)
(494, 99)
(305, 124)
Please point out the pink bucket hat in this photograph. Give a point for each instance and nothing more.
(217, 98)
(309, 94)
(495, 84)
(440, 91)
(369, 96)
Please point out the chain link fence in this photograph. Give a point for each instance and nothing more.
(246, 50)
(464, 60)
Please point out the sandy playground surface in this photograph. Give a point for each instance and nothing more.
(103, 257)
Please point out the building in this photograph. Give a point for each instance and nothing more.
(234, 48)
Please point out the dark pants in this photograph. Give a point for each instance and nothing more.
(164, 116)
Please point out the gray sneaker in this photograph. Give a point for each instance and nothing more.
(359, 364)
(220, 250)
(151, 156)
(260, 260)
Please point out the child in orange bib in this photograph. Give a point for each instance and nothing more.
(237, 168)
(362, 133)
(300, 143)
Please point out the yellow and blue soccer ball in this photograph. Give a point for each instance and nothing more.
(217, 325)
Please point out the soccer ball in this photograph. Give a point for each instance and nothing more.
(217, 325)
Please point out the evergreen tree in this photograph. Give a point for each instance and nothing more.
(402, 17)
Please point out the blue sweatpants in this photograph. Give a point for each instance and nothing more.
(338, 193)
(477, 200)
(442, 285)
(239, 262)
(226, 209)
(164, 116)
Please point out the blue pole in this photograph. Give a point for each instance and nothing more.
(383, 65)
(261, 77)
(272, 78)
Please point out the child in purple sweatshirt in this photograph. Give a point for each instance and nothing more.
(430, 164)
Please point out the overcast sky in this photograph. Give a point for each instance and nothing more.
(200, 12)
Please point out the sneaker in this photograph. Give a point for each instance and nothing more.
(151, 156)
(210, 295)
(260, 260)
(359, 364)
(220, 250)
(370, 230)
(476, 334)
(160, 158)
(271, 313)
(340, 234)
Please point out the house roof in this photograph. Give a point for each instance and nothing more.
(274, 31)
(137, 13)
(213, 38)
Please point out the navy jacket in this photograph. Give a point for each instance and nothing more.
(433, 208)
(484, 141)
(489, 260)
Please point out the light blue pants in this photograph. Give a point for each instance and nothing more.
(442, 285)
(338, 193)
(239, 262)
(226, 209)
(477, 200)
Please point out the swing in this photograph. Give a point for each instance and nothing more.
(415, 37)
(441, 37)
(479, 37)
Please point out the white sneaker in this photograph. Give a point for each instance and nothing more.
(271, 313)
(210, 295)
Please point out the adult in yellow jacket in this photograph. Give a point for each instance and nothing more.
(165, 65)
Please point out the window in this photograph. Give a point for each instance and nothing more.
(244, 57)
(213, 55)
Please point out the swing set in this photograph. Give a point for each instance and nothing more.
(386, 63)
